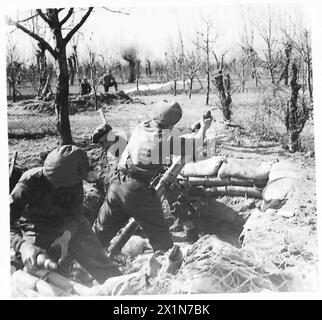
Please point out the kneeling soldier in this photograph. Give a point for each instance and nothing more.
(46, 211)
(130, 193)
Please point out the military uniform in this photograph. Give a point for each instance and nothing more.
(109, 81)
(49, 200)
(85, 87)
(129, 192)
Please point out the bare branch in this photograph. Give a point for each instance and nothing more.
(81, 22)
(35, 15)
(116, 11)
(44, 17)
(214, 53)
(34, 36)
(70, 12)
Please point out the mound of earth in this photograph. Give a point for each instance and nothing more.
(88, 100)
(76, 103)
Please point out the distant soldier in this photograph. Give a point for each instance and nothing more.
(108, 81)
(85, 87)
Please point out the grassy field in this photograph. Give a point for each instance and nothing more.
(25, 127)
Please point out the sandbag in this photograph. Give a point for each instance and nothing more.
(208, 167)
(112, 286)
(279, 189)
(49, 290)
(24, 280)
(282, 170)
(134, 246)
(245, 169)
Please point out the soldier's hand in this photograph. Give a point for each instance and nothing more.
(206, 122)
(62, 242)
(29, 254)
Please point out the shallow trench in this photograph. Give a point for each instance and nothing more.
(224, 219)
(222, 216)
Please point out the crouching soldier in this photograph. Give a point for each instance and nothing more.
(46, 213)
(108, 81)
(130, 193)
(85, 87)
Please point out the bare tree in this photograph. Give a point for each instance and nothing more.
(182, 61)
(205, 43)
(222, 82)
(193, 66)
(148, 69)
(173, 69)
(300, 38)
(242, 68)
(130, 54)
(271, 52)
(138, 73)
(285, 74)
(72, 68)
(161, 68)
(42, 68)
(14, 70)
(297, 113)
(62, 29)
(249, 57)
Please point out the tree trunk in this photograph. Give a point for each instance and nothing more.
(190, 87)
(271, 71)
(95, 94)
(132, 66)
(61, 101)
(75, 59)
(14, 98)
(285, 75)
(149, 68)
(46, 89)
(137, 74)
(309, 82)
(121, 73)
(224, 94)
(208, 76)
(293, 112)
(175, 87)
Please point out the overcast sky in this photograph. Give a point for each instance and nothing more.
(154, 28)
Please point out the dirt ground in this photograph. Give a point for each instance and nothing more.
(288, 242)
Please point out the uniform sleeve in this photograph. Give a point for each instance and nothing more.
(75, 214)
(22, 194)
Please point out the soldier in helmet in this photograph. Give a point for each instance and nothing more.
(130, 193)
(46, 212)
(109, 81)
(85, 87)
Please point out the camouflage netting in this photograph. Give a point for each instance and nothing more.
(209, 266)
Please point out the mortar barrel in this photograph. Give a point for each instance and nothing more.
(217, 182)
(233, 191)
